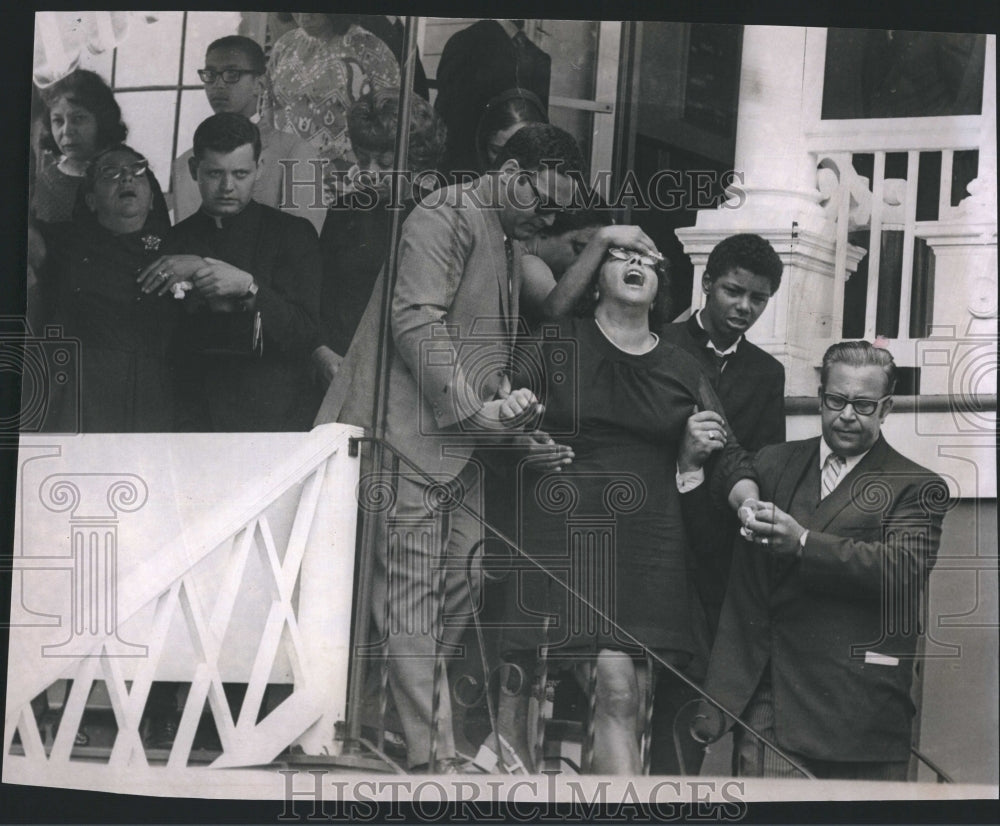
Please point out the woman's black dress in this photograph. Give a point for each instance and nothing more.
(88, 287)
(609, 525)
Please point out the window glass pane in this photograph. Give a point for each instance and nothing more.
(202, 29)
(891, 73)
(150, 120)
(194, 109)
(572, 44)
(150, 55)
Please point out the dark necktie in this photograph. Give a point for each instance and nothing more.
(508, 248)
(509, 321)
(720, 361)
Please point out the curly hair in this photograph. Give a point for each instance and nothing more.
(372, 120)
(746, 251)
(87, 89)
(659, 310)
(540, 145)
(574, 219)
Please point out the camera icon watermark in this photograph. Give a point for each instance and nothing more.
(48, 368)
(458, 372)
(964, 369)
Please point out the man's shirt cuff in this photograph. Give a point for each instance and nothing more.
(689, 480)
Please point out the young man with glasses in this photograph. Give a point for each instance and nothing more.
(235, 81)
(820, 625)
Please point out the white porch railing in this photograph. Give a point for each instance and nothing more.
(193, 558)
(882, 208)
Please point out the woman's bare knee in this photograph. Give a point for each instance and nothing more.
(617, 690)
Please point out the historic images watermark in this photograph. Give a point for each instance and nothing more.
(666, 190)
(317, 795)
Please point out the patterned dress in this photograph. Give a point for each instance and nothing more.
(315, 82)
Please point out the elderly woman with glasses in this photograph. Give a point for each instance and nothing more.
(607, 525)
(87, 285)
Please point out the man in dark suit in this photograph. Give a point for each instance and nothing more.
(477, 64)
(453, 322)
(820, 624)
(742, 273)
(239, 258)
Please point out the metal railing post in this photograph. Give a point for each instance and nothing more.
(369, 531)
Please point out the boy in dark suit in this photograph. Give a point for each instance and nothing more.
(741, 275)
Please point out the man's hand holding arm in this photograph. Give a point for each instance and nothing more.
(167, 270)
(771, 528)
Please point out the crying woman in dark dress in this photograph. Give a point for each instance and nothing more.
(609, 524)
(87, 285)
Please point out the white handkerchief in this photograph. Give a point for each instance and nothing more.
(875, 658)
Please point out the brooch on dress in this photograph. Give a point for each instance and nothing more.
(151, 243)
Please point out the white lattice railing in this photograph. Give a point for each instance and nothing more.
(191, 558)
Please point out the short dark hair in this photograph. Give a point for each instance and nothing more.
(859, 354)
(659, 311)
(749, 252)
(507, 109)
(372, 122)
(86, 89)
(573, 219)
(540, 145)
(250, 49)
(225, 132)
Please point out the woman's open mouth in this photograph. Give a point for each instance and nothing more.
(634, 277)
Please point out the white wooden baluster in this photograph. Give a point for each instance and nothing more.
(875, 245)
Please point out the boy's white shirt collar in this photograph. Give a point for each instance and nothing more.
(728, 351)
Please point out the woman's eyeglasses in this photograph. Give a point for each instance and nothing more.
(209, 76)
(113, 173)
(863, 407)
(646, 259)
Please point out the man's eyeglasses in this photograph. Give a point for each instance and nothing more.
(646, 259)
(863, 407)
(545, 205)
(209, 76)
(113, 173)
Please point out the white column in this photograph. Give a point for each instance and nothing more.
(779, 200)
